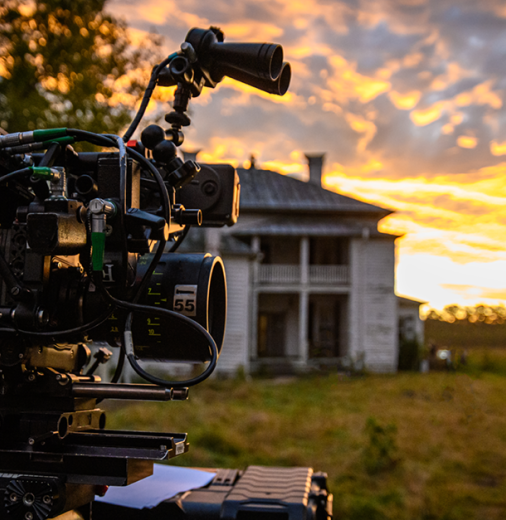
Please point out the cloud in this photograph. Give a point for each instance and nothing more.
(406, 99)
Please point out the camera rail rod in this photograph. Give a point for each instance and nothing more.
(125, 391)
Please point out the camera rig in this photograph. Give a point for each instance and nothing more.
(88, 254)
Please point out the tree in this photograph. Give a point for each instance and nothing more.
(67, 63)
(482, 314)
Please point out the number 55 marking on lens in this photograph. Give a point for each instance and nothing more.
(185, 299)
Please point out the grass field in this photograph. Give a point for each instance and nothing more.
(406, 446)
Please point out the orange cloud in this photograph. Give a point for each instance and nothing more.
(347, 84)
(498, 148)
(405, 101)
(454, 72)
(252, 31)
(482, 94)
(428, 115)
(466, 141)
(363, 126)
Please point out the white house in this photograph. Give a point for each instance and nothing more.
(310, 278)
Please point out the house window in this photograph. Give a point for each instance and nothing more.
(277, 325)
(280, 250)
(327, 326)
(407, 328)
(328, 251)
(271, 334)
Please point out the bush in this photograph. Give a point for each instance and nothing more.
(380, 454)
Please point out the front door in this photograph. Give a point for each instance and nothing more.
(271, 334)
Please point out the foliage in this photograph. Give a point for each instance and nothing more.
(466, 327)
(464, 335)
(380, 453)
(69, 63)
(490, 315)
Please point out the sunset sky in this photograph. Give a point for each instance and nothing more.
(404, 97)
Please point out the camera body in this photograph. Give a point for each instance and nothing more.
(88, 256)
(49, 304)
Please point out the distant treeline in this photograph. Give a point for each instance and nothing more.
(466, 327)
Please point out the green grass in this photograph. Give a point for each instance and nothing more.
(408, 446)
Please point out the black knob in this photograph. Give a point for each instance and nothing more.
(164, 152)
(178, 118)
(152, 135)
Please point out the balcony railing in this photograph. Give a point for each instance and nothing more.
(329, 274)
(292, 274)
(279, 273)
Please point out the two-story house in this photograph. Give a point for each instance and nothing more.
(310, 278)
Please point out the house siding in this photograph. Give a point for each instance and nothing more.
(234, 354)
(373, 305)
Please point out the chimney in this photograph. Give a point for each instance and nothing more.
(315, 162)
(190, 156)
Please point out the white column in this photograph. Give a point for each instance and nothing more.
(304, 300)
(213, 241)
(253, 333)
(303, 321)
(304, 260)
(255, 247)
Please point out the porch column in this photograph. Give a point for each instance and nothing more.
(255, 247)
(304, 260)
(255, 266)
(304, 300)
(253, 333)
(303, 321)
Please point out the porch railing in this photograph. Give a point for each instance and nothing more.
(292, 274)
(329, 274)
(279, 273)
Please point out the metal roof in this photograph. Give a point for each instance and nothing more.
(409, 302)
(196, 241)
(300, 226)
(266, 190)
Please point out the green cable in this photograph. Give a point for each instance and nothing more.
(98, 249)
(49, 134)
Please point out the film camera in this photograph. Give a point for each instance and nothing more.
(88, 254)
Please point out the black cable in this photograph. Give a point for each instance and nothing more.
(162, 313)
(121, 362)
(76, 330)
(144, 103)
(108, 141)
(159, 180)
(175, 384)
(164, 194)
(104, 140)
(180, 239)
(147, 96)
(17, 173)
